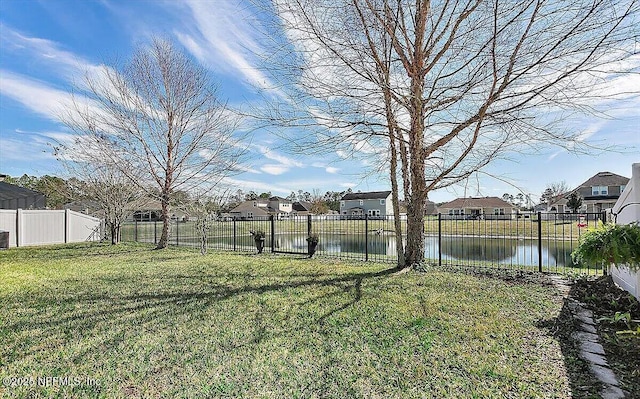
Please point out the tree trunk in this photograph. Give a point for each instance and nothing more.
(114, 234)
(414, 252)
(396, 202)
(164, 237)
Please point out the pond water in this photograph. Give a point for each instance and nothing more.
(502, 251)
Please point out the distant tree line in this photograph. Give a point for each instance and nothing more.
(59, 191)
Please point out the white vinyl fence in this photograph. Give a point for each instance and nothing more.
(627, 210)
(42, 227)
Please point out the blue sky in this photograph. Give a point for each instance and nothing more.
(45, 46)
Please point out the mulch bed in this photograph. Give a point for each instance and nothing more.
(604, 298)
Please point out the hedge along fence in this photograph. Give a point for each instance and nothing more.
(42, 227)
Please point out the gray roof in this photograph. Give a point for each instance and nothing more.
(368, 195)
(279, 199)
(302, 206)
(482, 202)
(11, 191)
(605, 179)
(248, 206)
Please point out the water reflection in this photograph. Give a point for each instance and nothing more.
(494, 250)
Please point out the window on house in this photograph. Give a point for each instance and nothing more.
(381, 202)
(361, 202)
(599, 190)
(498, 211)
(255, 203)
(249, 214)
(622, 188)
(341, 204)
(450, 211)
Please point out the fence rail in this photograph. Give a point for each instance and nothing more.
(537, 242)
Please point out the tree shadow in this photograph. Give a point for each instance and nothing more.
(94, 308)
(581, 381)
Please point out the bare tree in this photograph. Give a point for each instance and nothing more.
(204, 208)
(159, 113)
(100, 185)
(446, 87)
(553, 191)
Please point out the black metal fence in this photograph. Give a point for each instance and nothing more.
(536, 242)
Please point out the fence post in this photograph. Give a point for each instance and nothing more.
(18, 227)
(439, 239)
(308, 234)
(366, 237)
(135, 231)
(155, 232)
(66, 226)
(234, 234)
(540, 241)
(273, 233)
(177, 233)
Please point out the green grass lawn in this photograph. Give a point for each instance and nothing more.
(172, 323)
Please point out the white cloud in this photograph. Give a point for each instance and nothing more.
(270, 154)
(274, 169)
(39, 97)
(224, 37)
(66, 63)
(255, 185)
(247, 169)
(331, 169)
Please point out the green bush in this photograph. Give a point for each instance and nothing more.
(610, 244)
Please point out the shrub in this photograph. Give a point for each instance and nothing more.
(610, 244)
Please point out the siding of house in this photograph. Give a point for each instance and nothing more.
(594, 203)
(371, 207)
(484, 206)
(276, 206)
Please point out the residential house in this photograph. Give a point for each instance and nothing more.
(598, 193)
(261, 207)
(301, 208)
(430, 207)
(150, 210)
(16, 197)
(374, 204)
(478, 208)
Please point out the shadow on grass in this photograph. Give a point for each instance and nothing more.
(583, 384)
(117, 312)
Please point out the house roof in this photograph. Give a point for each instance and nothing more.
(279, 199)
(477, 202)
(605, 179)
(11, 191)
(302, 206)
(368, 195)
(248, 206)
